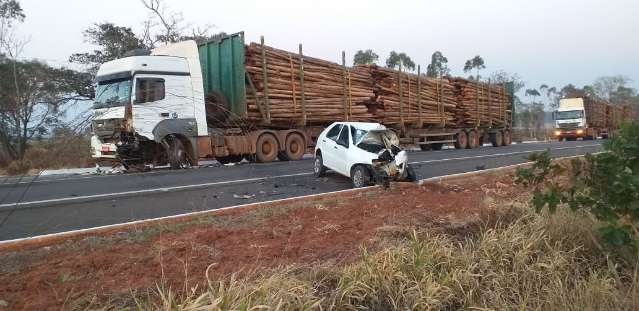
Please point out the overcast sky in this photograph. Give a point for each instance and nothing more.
(544, 41)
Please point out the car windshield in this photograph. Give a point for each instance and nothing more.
(572, 114)
(112, 93)
(357, 134)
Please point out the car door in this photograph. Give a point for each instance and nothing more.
(340, 152)
(328, 146)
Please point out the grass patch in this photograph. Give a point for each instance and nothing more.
(517, 260)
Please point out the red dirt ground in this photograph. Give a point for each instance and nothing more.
(328, 230)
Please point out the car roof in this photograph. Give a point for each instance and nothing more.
(367, 126)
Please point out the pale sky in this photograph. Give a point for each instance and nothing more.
(544, 41)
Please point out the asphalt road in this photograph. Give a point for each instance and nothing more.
(43, 205)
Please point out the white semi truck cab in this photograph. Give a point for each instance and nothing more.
(575, 119)
(148, 102)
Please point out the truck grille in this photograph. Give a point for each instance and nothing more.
(573, 125)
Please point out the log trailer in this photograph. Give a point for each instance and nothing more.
(185, 102)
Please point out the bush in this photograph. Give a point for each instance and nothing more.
(19, 167)
(606, 185)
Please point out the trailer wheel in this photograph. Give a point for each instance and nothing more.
(508, 139)
(461, 140)
(177, 154)
(267, 148)
(473, 139)
(496, 139)
(295, 147)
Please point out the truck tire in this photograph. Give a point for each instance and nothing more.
(295, 147)
(473, 139)
(177, 154)
(266, 148)
(360, 177)
(508, 139)
(319, 170)
(497, 139)
(461, 140)
(425, 147)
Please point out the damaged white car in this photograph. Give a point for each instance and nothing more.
(368, 153)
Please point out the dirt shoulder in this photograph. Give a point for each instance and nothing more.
(327, 229)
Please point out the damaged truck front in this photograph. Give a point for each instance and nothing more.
(368, 153)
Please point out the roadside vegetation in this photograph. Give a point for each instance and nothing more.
(516, 260)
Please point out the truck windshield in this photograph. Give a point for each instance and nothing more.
(112, 93)
(573, 114)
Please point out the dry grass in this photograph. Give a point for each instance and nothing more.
(54, 153)
(518, 260)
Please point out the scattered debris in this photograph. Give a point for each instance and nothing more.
(243, 196)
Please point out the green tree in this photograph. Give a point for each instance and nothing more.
(112, 43)
(395, 60)
(438, 66)
(532, 93)
(605, 87)
(603, 184)
(475, 63)
(367, 57)
(31, 94)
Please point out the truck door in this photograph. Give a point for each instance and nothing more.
(159, 98)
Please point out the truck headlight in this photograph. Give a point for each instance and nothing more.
(557, 133)
(580, 132)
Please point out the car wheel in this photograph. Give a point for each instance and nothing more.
(411, 176)
(318, 167)
(360, 177)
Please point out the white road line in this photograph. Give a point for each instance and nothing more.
(166, 189)
(192, 214)
(500, 154)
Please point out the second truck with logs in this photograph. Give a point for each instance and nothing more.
(225, 100)
(589, 118)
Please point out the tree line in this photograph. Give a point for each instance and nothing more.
(35, 97)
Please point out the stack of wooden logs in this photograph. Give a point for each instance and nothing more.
(481, 104)
(600, 114)
(330, 91)
(408, 99)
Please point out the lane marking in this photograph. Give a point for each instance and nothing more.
(204, 185)
(124, 225)
(152, 190)
(495, 155)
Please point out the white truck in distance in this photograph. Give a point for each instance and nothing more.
(580, 118)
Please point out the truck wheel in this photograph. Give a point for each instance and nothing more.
(508, 139)
(473, 139)
(496, 139)
(318, 166)
(267, 148)
(178, 157)
(295, 147)
(461, 140)
(360, 177)
(425, 147)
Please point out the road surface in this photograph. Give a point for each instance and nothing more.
(50, 204)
